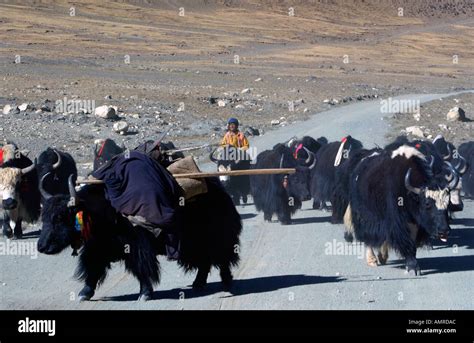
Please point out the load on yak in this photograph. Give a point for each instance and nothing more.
(140, 212)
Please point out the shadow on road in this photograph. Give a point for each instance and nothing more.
(463, 221)
(32, 234)
(311, 220)
(457, 237)
(240, 287)
(451, 264)
(436, 265)
(247, 215)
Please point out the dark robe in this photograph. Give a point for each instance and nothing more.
(138, 186)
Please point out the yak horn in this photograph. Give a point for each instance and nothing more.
(448, 156)
(311, 158)
(28, 169)
(58, 163)
(408, 185)
(72, 189)
(455, 178)
(43, 192)
(458, 166)
(432, 162)
(211, 156)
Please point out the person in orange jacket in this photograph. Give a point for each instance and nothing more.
(234, 137)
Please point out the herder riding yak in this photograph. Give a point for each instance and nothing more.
(142, 212)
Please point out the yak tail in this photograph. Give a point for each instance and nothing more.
(348, 223)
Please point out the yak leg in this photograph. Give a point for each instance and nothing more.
(318, 204)
(370, 257)
(284, 217)
(348, 225)
(244, 198)
(200, 281)
(267, 216)
(284, 212)
(92, 268)
(383, 254)
(226, 276)
(235, 198)
(18, 231)
(146, 290)
(141, 261)
(410, 260)
(7, 230)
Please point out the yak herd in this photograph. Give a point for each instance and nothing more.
(398, 198)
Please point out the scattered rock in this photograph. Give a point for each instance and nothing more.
(108, 97)
(211, 100)
(258, 80)
(7, 109)
(415, 131)
(121, 127)
(250, 131)
(106, 112)
(245, 91)
(443, 127)
(23, 107)
(275, 122)
(240, 107)
(47, 106)
(456, 114)
(222, 103)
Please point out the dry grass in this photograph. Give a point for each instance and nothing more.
(374, 38)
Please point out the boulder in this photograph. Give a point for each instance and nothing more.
(106, 112)
(456, 114)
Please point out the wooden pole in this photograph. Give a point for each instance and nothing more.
(236, 173)
(212, 174)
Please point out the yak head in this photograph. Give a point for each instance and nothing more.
(432, 204)
(297, 184)
(10, 185)
(104, 151)
(229, 158)
(59, 220)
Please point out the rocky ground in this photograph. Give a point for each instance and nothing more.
(432, 120)
(184, 67)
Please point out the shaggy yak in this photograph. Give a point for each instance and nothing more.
(210, 237)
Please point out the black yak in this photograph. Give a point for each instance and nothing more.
(396, 202)
(163, 152)
(297, 147)
(329, 158)
(466, 150)
(19, 189)
(280, 194)
(443, 158)
(104, 150)
(210, 237)
(231, 158)
(340, 194)
(59, 165)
